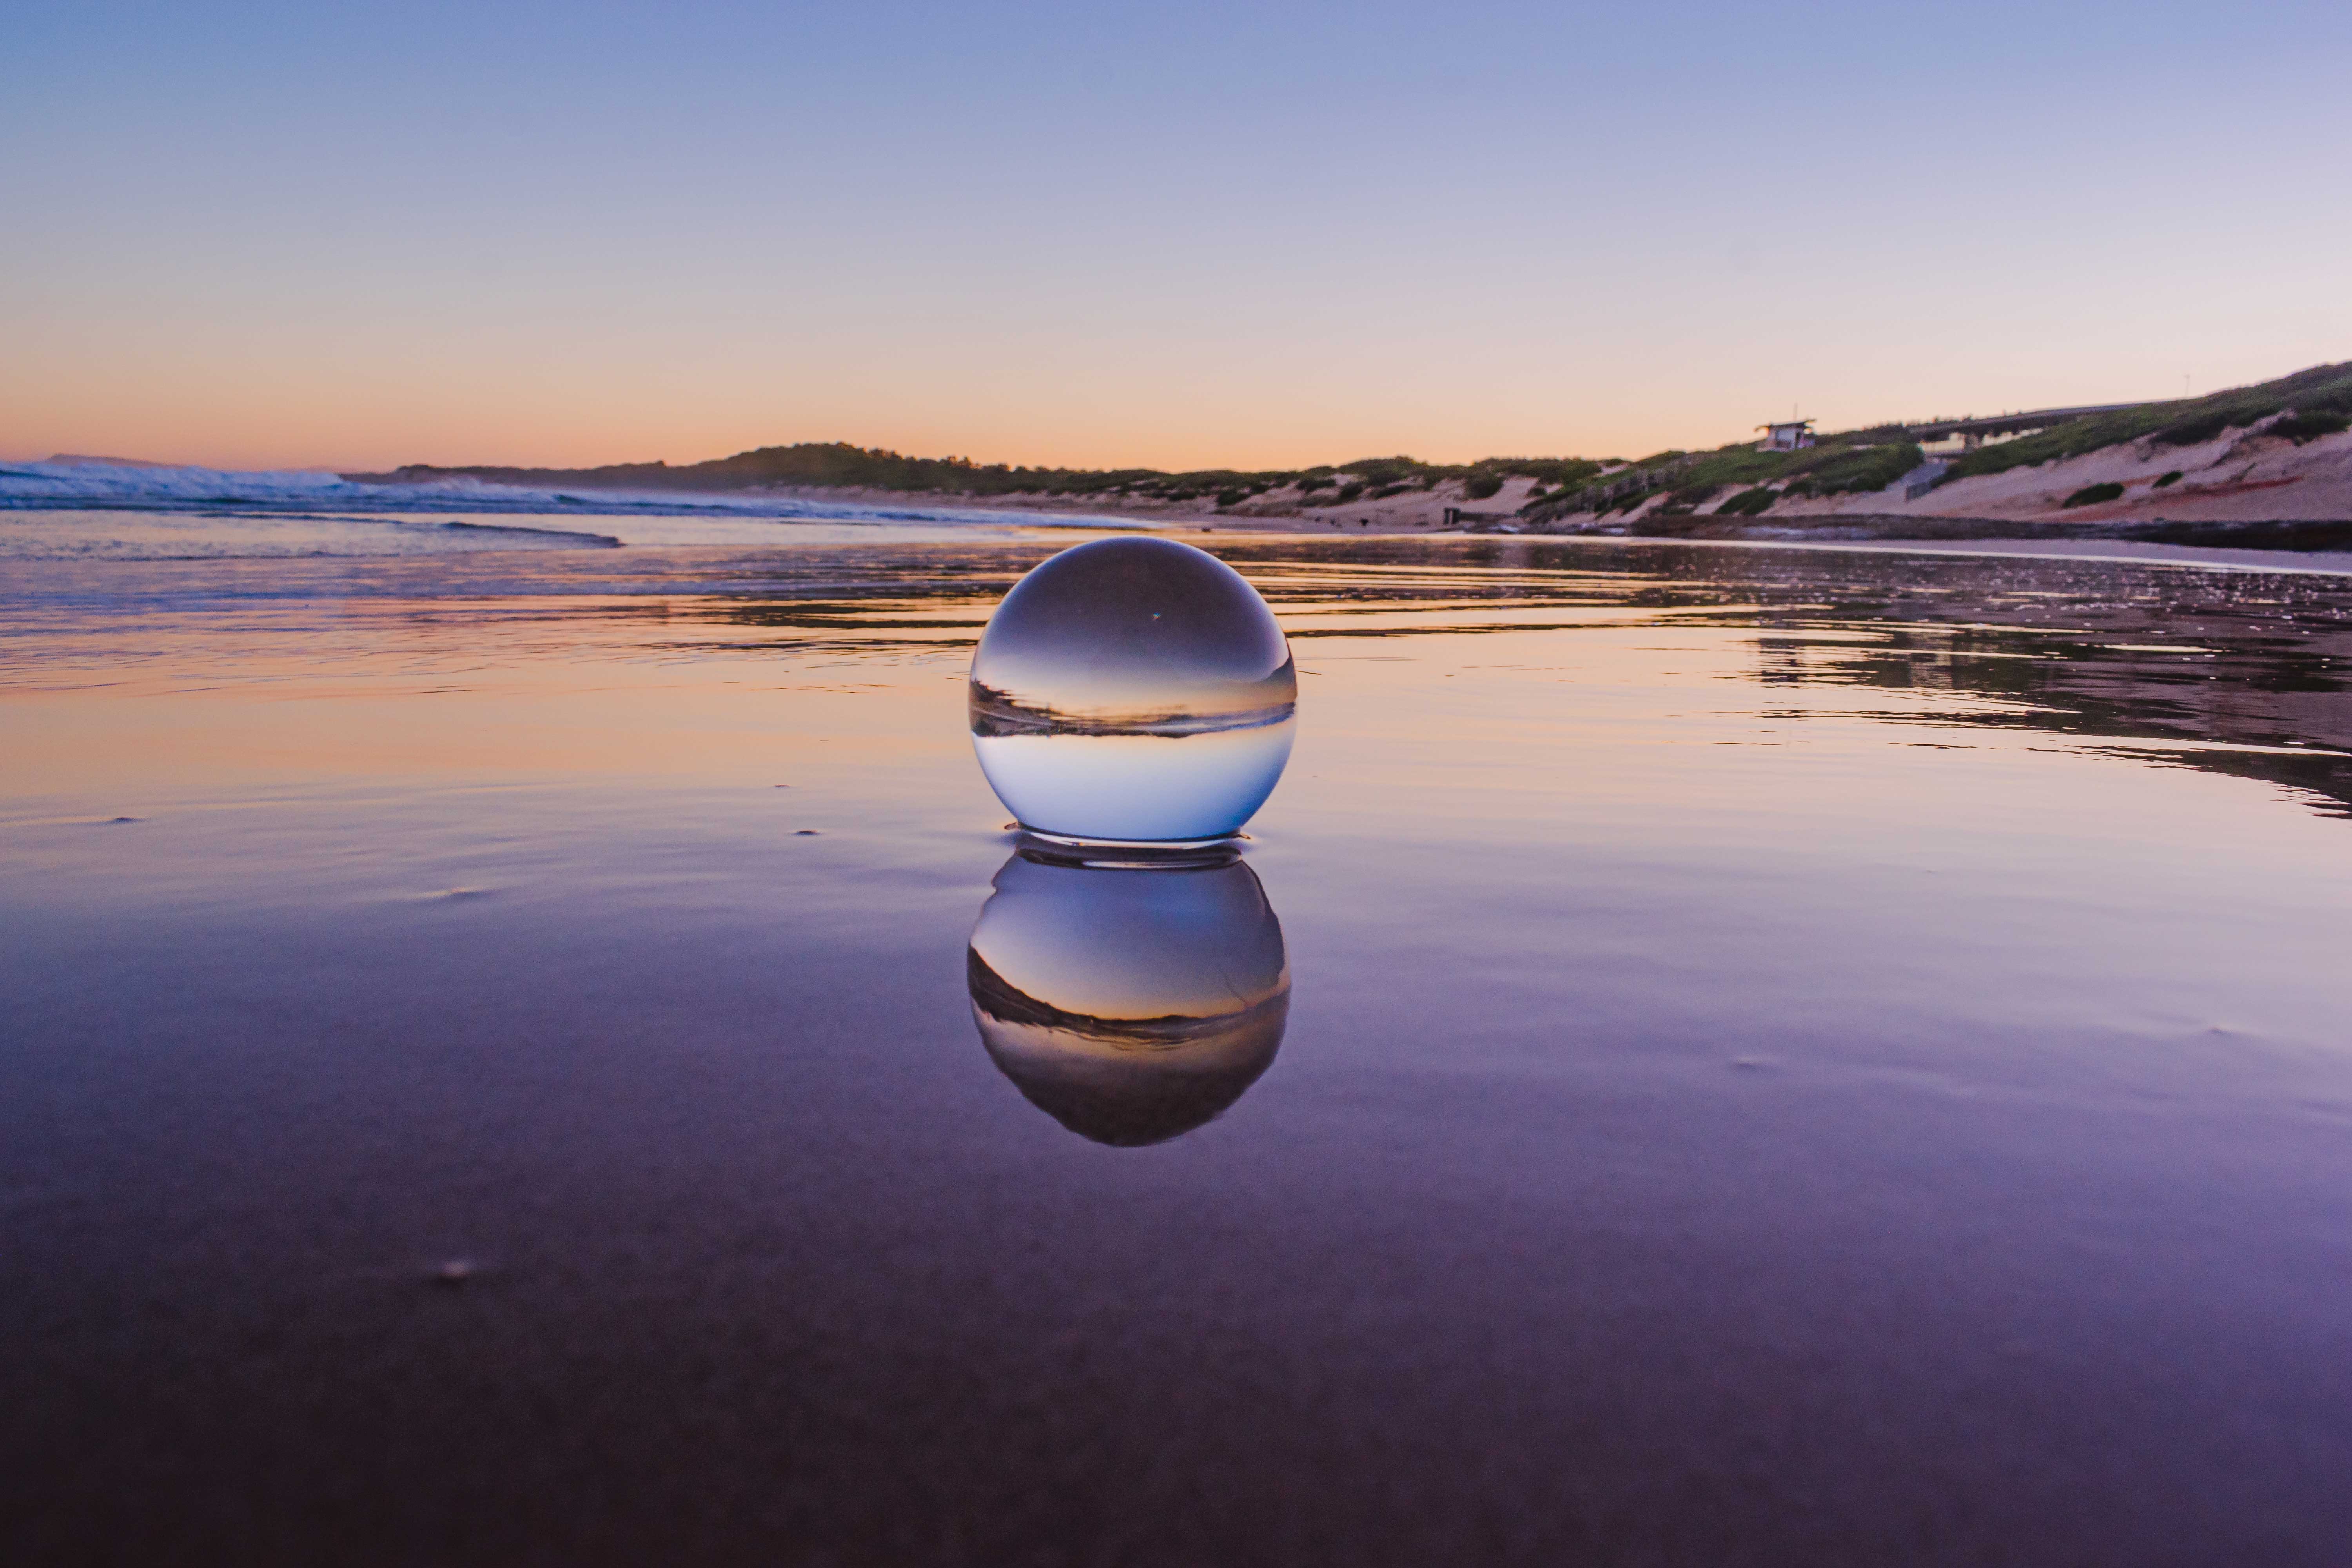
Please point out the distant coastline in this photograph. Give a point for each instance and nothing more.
(2262, 466)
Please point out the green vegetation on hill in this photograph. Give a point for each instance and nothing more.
(1859, 460)
(837, 465)
(2320, 396)
(1748, 504)
(1851, 466)
(2301, 427)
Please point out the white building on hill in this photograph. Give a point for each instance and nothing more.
(1787, 437)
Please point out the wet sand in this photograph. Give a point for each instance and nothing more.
(1822, 1055)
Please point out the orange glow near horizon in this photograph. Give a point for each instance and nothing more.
(293, 416)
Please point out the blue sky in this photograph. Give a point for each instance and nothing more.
(1113, 234)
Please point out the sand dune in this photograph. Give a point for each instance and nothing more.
(2243, 475)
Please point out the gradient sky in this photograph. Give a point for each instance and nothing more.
(1244, 235)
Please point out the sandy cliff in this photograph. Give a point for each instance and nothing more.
(2241, 476)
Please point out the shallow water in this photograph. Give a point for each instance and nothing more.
(1734, 1056)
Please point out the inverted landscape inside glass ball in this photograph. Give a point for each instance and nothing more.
(1133, 689)
(1131, 1006)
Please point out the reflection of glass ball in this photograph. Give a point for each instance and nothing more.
(1133, 689)
(1131, 1006)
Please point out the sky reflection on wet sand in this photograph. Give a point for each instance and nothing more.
(1791, 1056)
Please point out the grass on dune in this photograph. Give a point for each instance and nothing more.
(2320, 396)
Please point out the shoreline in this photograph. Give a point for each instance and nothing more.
(1895, 533)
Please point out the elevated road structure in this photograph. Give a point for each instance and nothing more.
(1973, 431)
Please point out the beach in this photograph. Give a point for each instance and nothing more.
(1790, 1055)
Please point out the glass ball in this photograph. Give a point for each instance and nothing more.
(1133, 689)
(1130, 1005)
